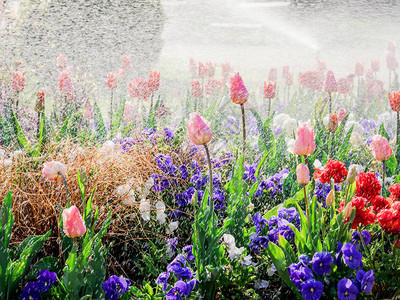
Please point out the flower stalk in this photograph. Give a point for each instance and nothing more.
(244, 128)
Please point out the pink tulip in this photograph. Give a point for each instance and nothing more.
(112, 81)
(195, 91)
(88, 113)
(125, 62)
(154, 80)
(303, 174)
(394, 100)
(65, 85)
(52, 170)
(61, 62)
(129, 112)
(73, 224)
(239, 94)
(330, 84)
(348, 210)
(199, 130)
(18, 82)
(304, 143)
(273, 74)
(341, 114)
(380, 147)
(269, 90)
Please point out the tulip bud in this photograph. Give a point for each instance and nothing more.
(330, 199)
(39, 102)
(348, 210)
(303, 174)
(238, 91)
(333, 123)
(351, 176)
(341, 114)
(304, 143)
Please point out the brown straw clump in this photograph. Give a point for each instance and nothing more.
(37, 201)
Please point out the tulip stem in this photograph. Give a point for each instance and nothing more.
(330, 145)
(38, 125)
(269, 107)
(111, 109)
(307, 210)
(209, 170)
(244, 128)
(330, 102)
(398, 129)
(66, 188)
(16, 109)
(383, 178)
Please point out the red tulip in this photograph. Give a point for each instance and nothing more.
(395, 100)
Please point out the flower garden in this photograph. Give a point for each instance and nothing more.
(288, 192)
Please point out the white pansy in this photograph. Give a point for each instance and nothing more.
(233, 251)
(172, 227)
(317, 164)
(126, 193)
(145, 209)
(325, 120)
(356, 140)
(356, 127)
(160, 208)
(250, 207)
(289, 144)
(280, 119)
(261, 284)
(271, 270)
(229, 240)
(290, 126)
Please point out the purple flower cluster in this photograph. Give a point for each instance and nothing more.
(182, 271)
(322, 190)
(276, 225)
(366, 236)
(43, 283)
(363, 283)
(273, 184)
(115, 287)
(148, 135)
(303, 278)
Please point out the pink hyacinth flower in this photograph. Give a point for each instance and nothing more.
(125, 62)
(154, 80)
(330, 84)
(359, 69)
(65, 85)
(304, 143)
(111, 81)
(88, 113)
(341, 114)
(195, 91)
(269, 90)
(273, 74)
(139, 88)
(210, 69)
(239, 94)
(52, 170)
(18, 82)
(303, 174)
(380, 147)
(61, 62)
(73, 224)
(199, 129)
(129, 112)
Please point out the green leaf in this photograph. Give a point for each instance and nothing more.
(7, 217)
(23, 141)
(391, 163)
(99, 124)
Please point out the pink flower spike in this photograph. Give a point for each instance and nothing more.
(269, 90)
(18, 82)
(199, 129)
(73, 224)
(330, 84)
